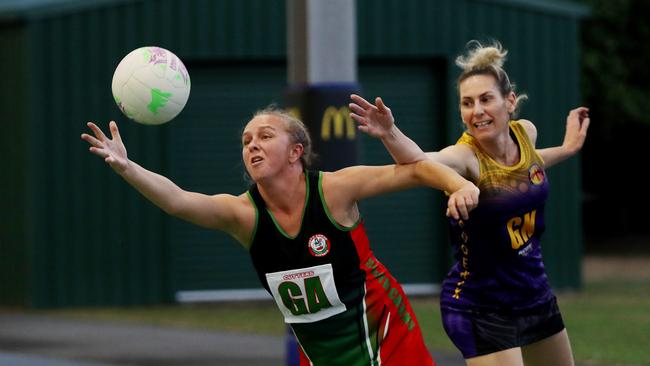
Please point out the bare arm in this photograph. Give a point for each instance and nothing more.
(463, 194)
(460, 158)
(222, 211)
(345, 187)
(377, 121)
(577, 123)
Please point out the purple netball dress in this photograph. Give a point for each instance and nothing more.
(498, 281)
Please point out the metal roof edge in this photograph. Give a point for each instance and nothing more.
(562, 7)
(21, 10)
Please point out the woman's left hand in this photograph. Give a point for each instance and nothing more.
(577, 123)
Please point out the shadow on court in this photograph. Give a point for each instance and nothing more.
(40, 340)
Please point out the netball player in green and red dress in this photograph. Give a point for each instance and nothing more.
(307, 239)
(496, 303)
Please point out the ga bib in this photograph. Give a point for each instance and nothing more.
(306, 295)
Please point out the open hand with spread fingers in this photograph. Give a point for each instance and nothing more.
(374, 119)
(112, 150)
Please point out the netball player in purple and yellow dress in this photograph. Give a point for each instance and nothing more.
(307, 240)
(496, 303)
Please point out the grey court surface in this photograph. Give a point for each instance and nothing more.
(39, 340)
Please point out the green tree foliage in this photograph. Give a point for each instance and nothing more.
(616, 60)
(615, 86)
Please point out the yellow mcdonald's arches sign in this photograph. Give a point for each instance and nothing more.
(339, 120)
(294, 111)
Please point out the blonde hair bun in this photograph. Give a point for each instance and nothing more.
(482, 57)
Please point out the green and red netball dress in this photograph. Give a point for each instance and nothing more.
(342, 304)
(497, 295)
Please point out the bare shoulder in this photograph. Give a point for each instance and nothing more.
(244, 206)
(331, 182)
(339, 194)
(335, 184)
(459, 157)
(239, 217)
(345, 176)
(234, 203)
(530, 128)
(243, 202)
(329, 179)
(349, 185)
(458, 149)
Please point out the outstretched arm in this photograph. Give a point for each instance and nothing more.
(577, 123)
(222, 212)
(377, 121)
(463, 194)
(347, 186)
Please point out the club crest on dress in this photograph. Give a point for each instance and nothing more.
(536, 174)
(319, 245)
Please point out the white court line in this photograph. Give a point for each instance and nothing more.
(15, 359)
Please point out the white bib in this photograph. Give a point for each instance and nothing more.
(305, 295)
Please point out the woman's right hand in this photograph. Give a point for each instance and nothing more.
(375, 120)
(112, 150)
(462, 201)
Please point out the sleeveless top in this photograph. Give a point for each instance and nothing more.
(330, 288)
(498, 254)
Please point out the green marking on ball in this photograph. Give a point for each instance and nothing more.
(158, 100)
